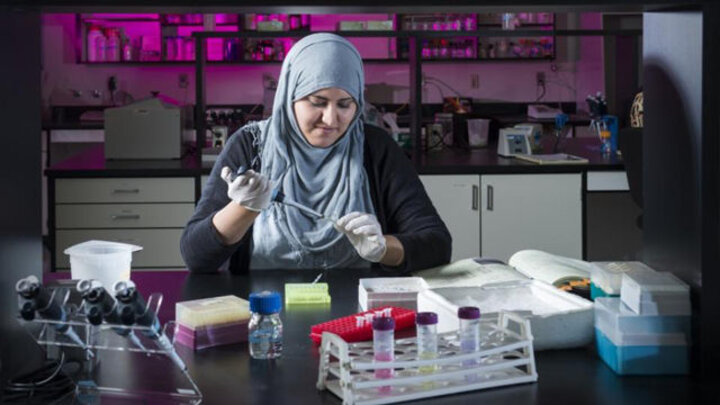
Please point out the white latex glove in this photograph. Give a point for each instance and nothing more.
(365, 234)
(251, 190)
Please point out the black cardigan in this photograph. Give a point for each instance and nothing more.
(399, 198)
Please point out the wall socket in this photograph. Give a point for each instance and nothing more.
(540, 78)
(183, 80)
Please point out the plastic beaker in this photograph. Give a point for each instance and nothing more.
(106, 262)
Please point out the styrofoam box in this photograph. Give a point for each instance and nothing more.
(558, 319)
(655, 293)
(608, 275)
(645, 357)
(612, 315)
(394, 291)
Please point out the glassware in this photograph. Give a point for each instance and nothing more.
(265, 329)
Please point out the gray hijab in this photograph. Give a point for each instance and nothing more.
(330, 180)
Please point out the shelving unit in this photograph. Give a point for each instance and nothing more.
(151, 39)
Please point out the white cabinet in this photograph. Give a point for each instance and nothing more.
(150, 212)
(456, 197)
(497, 215)
(531, 211)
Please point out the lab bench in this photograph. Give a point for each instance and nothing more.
(493, 206)
(572, 376)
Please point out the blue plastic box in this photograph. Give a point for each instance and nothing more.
(642, 359)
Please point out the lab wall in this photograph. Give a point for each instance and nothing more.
(576, 72)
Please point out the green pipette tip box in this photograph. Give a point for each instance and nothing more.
(306, 293)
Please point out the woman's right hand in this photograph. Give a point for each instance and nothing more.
(251, 190)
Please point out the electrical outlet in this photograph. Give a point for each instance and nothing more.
(474, 81)
(540, 78)
(183, 80)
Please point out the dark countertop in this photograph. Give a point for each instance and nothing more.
(92, 163)
(572, 376)
(487, 161)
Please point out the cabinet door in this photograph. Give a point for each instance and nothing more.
(534, 211)
(456, 199)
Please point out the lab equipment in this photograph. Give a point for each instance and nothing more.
(541, 111)
(265, 331)
(279, 197)
(640, 344)
(95, 375)
(426, 333)
(606, 277)
(383, 346)
(34, 297)
(147, 129)
(306, 293)
(513, 141)
(104, 261)
(132, 309)
(390, 291)
(358, 327)
(558, 319)
(655, 293)
(100, 305)
(505, 357)
(212, 322)
(469, 334)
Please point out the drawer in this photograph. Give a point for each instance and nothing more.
(161, 247)
(122, 215)
(124, 190)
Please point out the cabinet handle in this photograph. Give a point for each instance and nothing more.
(475, 197)
(489, 198)
(126, 190)
(126, 216)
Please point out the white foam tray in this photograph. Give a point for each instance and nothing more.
(395, 291)
(558, 319)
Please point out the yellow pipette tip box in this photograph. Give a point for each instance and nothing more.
(306, 293)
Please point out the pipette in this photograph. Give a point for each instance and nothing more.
(132, 309)
(279, 197)
(35, 297)
(99, 305)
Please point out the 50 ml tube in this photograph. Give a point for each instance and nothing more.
(383, 347)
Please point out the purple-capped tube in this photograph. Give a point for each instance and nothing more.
(426, 331)
(469, 334)
(383, 347)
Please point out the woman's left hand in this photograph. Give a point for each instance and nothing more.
(365, 234)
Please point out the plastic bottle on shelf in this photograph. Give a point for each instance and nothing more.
(170, 51)
(383, 347)
(265, 327)
(127, 50)
(94, 36)
(112, 45)
(426, 331)
(469, 334)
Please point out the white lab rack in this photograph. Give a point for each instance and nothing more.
(505, 357)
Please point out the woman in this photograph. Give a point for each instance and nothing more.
(316, 150)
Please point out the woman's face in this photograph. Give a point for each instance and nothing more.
(324, 116)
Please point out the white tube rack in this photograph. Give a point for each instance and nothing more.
(505, 358)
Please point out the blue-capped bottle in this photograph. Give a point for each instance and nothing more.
(265, 327)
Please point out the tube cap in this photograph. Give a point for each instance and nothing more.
(383, 323)
(426, 318)
(469, 313)
(265, 302)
